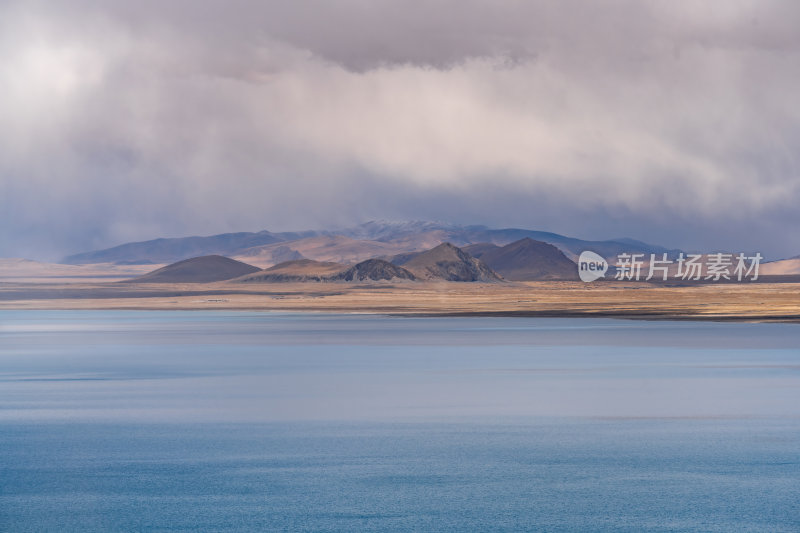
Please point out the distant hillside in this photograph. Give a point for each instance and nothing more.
(478, 249)
(571, 247)
(373, 270)
(206, 269)
(328, 248)
(450, 263)
(169, 250)
(529, 260)
(784, 267)
(464, 236)
(283, 253)
(381, 230)
(294, 271)
(350, 245)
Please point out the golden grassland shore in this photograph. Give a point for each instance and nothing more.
(746, 301)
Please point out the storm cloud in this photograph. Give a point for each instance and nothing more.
(673, 122)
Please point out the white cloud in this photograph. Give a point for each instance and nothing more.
(122, 121)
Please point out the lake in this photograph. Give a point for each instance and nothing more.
(237, 421)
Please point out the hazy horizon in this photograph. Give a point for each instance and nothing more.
(673, 124)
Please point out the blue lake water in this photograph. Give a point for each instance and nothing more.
(234, 421)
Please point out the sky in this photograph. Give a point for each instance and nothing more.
(675, 123)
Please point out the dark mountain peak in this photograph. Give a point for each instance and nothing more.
(529, 246)
(529, 260)
(374, 270)
(450, 263)
(204, 269)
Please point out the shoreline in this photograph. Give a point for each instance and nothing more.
(648, 317)
(759, 302)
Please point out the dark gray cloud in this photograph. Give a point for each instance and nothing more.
(672, 122)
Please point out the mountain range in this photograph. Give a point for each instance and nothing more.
(349, 246)
(523, 260)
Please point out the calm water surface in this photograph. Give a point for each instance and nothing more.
(211, 421)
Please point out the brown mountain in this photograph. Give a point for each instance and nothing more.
(294, 271)
(373, 270)
(529, 260)
(449, 263)
(205, 269)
